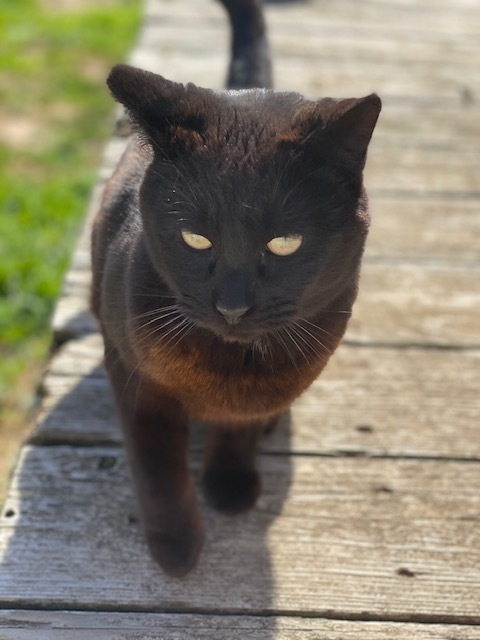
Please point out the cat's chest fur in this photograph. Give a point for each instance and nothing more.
(224, 382)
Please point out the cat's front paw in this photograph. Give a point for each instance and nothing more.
(231, 490)
(177, 553)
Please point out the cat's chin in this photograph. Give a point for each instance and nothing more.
(235, 339)
(235, 335)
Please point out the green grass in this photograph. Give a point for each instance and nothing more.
(55, 116)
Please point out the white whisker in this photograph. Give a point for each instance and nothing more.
(182, 334)
(309, 333)
(140, 339)
(294, 341)
(315, 326)
(280, 339)
(308, 344)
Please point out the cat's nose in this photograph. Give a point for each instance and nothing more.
(232, 316)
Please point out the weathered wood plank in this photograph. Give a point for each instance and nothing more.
(339, 77)
(177, 38)
(446, 226)
(394, 402)
(376, 538)
(313, 41)
(405, 225)
(425, 229)
(382, 40)
(399, 304)
(418, 229)
(391, 402)
(72, 319)
(65, 625)
(407, 303)
(383, 65)
(422, 169)
(453, 20)
(434, 126)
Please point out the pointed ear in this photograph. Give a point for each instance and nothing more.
(342, 129)
(159, 107)
(354, 125)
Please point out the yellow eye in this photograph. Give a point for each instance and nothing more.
(195, 240)
(285, 245)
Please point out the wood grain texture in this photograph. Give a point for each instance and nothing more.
(447, 226)
(459, 21)
(393, 402)
(426, 304)
(423, 230)
(65, 625)
(71, 317)
(396, 539)
(345, 50)
(399, 304)
(311, 43)
(422, 170)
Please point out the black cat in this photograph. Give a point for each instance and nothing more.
(226, 258)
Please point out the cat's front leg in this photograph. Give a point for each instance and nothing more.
(230, 479)
(157, 444)
(156, 438)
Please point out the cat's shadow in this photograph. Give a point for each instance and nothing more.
(236, 571)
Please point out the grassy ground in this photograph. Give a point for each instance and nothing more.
(55, 115)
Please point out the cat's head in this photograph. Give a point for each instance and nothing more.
(253, 204)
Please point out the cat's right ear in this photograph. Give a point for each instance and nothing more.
(339, 130)
(160, 108)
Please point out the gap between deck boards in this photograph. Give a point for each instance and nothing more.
(40, 441)
(256, 613)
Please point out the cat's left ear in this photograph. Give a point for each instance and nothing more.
(162, 109)
(342, 129)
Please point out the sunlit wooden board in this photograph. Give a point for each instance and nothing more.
(381, 402)
(65, 625)
(343, 538)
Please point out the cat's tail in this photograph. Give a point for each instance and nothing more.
(250, 64)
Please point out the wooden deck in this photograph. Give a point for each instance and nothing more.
(369, 522)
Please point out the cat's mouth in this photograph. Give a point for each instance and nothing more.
(244, 338)
(240, 334)
(244, 332)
